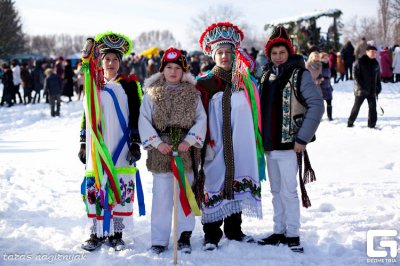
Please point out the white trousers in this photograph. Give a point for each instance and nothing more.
(282, 171)
(162, 206)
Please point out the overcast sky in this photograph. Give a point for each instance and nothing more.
(131, 17)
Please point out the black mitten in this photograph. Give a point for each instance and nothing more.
(82, 153)
(133, 153)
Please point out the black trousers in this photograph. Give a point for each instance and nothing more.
(349, 70)
(55, 102)
(16, 92)
(232, 229)
(396, 77)
(333, 74)
(372, 114)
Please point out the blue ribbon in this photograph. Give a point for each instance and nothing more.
(107, 214)
(83, 187)
(125, 139)
(139, 192)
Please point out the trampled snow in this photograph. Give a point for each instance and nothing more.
(43, 221)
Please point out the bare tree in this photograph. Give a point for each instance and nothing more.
(216, 13)
(161, 39)
(55, 45)
(368, 29)
(395, 15)
(395, 9)
(356, 29)
(40, 44)
(384, 19)
(11, 37)
(77, 43)
(384, 29)
(351, 30)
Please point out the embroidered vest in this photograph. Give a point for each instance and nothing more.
(293, 105)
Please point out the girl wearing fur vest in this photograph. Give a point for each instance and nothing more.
(171, 102)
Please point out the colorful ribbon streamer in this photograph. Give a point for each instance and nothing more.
(186, 195)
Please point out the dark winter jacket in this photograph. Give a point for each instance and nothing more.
(7, 80)
(347, 53)
(38, 78)
(326, 86)
(271, 105)
(26, 78)
(367, 77)
(53, 85)
(68, 82)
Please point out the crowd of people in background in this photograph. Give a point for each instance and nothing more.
(29, 76)
(35, 79)
(24, 81)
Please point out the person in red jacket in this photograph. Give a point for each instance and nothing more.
(386, 65)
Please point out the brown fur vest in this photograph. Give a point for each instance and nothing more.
(173, 108)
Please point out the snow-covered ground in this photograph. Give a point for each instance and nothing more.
(42, 217)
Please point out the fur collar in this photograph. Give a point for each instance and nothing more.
(187, 77)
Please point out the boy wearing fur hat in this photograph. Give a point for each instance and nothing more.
(110, 127)
(290, 118)
(229, 164)
(171, 104)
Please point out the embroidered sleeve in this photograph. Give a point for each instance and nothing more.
(148, 134)
(196, 135)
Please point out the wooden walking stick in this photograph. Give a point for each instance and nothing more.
(186, 197)
(175, 221)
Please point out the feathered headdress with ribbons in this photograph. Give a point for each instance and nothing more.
(110, 42)
(242, 79)
(102, 161)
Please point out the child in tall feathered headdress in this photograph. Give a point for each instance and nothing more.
(111, 105)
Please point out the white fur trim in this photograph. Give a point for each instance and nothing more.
(187, 77)
(150, 80)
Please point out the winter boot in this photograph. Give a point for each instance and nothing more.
(273, 240)
(92, 243)
(329, 112)
(294, 244)
(116, 242)
(209, 246)
(233, 229)
(184, 242)
(158, 249)
(212, 235)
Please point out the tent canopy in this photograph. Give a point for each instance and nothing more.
(151, 52)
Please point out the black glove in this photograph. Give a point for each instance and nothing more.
(133, 153)
(82, 153)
